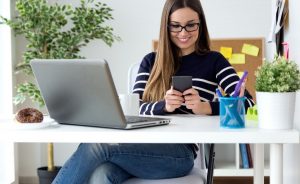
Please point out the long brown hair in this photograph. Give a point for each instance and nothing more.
(168, 54)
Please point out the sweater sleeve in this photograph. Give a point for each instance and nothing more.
(147, 108)
(227, 79)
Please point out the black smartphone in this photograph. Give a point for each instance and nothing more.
(182, 83)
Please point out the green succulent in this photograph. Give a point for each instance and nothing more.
(44, 27)
(278, 75)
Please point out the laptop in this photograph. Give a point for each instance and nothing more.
(82, 92)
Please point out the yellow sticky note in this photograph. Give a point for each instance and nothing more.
(237, 59)
(250, 49)
(226, 52)
(240, 74)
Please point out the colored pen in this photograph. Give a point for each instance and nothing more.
(239, 85)
(242, 90)
(218, 92)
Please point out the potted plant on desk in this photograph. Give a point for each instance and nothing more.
(276, 85)
(47, 31)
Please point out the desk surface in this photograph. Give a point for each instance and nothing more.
(182, 129)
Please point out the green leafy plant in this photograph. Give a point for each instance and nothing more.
(279, 75)
(55, 32)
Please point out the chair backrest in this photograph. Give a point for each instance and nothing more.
(200, 160)
(132, 74)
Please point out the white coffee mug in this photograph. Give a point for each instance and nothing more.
(130, 104)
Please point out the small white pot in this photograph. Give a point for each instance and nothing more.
(275, 110)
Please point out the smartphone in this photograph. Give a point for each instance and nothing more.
(182, 83)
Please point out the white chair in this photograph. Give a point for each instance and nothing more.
(132, 73)
(198, 175)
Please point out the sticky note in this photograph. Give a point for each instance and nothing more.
(226, 52)
(237, 59)
(240, 74)
(250, 49)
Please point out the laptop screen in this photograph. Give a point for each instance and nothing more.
(79, 91)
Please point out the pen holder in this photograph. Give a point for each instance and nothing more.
(232, 112)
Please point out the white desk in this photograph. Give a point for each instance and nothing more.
(183, 129)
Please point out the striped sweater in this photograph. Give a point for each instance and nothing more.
(208, 72)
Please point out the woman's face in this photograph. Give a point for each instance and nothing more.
(184, 38)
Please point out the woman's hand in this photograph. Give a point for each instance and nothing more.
(193, 102)
(173, 99)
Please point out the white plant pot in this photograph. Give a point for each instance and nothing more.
(275, 110)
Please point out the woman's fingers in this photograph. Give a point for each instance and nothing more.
(173, 92)
(173, 99)
(190, 91)
(191, 98)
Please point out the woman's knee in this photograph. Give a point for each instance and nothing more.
(106, 174)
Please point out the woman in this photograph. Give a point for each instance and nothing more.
(183, 49)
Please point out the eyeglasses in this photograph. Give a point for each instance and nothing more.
(176, 28)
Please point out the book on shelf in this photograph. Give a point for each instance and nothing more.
(249, 155)
(244, 156)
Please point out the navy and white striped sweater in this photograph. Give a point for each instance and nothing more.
(208, 71)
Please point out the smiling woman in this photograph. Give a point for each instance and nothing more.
(183, 31)
(137, 26)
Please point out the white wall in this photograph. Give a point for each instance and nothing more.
(292, 152)
(7, 153)
(137, 23)
(5, 62)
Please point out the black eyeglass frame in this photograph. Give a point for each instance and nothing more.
(184, 27)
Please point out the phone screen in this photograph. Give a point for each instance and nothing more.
(182, 83)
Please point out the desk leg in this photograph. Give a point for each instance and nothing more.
(259, 164)
(276, 164)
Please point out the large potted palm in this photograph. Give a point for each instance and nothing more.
(55, 32)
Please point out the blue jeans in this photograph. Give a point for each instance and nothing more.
(118, 162)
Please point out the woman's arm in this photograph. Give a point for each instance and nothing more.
(227, 78)
(147, 108)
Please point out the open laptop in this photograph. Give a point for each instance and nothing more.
(82, 92)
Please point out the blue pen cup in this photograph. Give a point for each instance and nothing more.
(232, 112)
